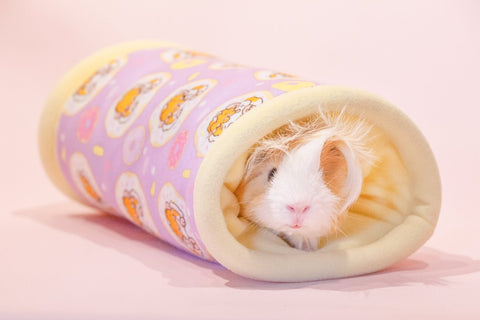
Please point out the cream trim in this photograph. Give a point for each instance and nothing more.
(47, 130)
(395, 245)
(290, 264)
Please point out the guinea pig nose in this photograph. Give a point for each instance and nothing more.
(298, 208)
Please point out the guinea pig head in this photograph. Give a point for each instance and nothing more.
(309, 187)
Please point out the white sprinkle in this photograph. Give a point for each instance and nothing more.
(145, 164)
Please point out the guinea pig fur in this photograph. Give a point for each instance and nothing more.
(300, 179)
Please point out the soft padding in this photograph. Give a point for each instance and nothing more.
(159, 135)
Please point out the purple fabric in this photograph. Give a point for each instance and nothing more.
(132, 137)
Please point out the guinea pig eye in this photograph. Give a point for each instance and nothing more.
(271, 174)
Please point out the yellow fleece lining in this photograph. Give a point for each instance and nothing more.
(397, 233)
(398, 214)
(47, 131)
(382, 205)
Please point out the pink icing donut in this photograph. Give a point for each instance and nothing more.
(86, 124)
(177, 149)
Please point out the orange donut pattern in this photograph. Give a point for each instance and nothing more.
(221, 118)
(130, 105)
(176, 218)
(169, 115)
(92, 85)
(132, 203)
(133, 134)
(84, 179)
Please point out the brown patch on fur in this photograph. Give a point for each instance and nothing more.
(260, 167)
(334, 166)
(269, 151)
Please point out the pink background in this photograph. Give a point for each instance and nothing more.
(60, 260)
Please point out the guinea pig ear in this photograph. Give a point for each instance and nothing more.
(334, 167)
(342, 171)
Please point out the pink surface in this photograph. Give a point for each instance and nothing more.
(59, 260)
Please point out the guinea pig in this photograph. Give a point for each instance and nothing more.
(299, 180)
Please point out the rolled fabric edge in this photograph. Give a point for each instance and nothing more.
(397, 244)
(49, 119)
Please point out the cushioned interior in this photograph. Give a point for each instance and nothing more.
(395, 214)
(383, 203)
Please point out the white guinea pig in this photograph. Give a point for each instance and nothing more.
(301, 178)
